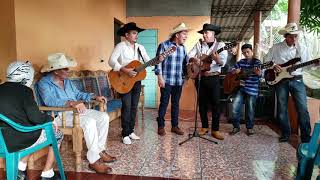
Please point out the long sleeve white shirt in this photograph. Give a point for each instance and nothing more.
(281, 53)
(203, 48)
(123, 54)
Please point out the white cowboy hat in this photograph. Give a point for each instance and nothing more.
(290, 28)
(58, 61)
(180, 27)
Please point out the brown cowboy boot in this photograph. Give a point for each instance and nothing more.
(106, 157)
(217, 135)
(177, 130)
(99, 167)
(203, 131)
(161, 131)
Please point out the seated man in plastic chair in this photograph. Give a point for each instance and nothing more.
(55, 89)
(18, 104)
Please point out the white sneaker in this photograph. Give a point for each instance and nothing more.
(134, 136)
(126, 140)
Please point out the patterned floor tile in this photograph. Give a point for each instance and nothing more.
(237, 157)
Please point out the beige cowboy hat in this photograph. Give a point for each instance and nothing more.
(58, 61)
(180, 27)
(290, 28)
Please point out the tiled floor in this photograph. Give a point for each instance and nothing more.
(237, 157)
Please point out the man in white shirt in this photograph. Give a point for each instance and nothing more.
(281, 53)
(209, 91)
(124, 53)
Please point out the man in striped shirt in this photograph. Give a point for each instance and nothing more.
(170, 74)
(250, 74)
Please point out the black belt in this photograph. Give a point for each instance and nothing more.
(297, 77)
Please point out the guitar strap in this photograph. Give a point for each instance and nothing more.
(140, 54)
(215, 46)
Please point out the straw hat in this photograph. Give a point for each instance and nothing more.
(58, 61)
(290, 28)
(180, 27)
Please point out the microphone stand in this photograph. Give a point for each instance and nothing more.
(195, 132)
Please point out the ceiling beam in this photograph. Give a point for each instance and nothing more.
(234, 9)
(217, 11)
(249, 19)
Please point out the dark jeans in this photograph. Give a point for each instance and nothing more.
(250, 102)
(129, 107)
(209, 95)
(175, 92)
(298, 92)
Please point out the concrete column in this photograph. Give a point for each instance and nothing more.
(294, 11)
(239, 51)
(256, 33)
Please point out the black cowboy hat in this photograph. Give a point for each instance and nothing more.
(210, 27)
(127, 27)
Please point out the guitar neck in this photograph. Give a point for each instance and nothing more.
(295, 67)
(147, 64)
(218, 51)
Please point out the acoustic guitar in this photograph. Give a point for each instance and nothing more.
(272, 77)
(231, 81)
(123, 83)
(193, 69)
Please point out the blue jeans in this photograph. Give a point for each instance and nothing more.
(250, 102)
(175, 92)
(298, 92)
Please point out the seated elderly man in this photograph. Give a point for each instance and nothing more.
(17, 103)
(55, 89)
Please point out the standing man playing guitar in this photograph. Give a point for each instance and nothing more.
(124, 53)
(210, 83)
(249, 68)
(170, 77)
(281, 53)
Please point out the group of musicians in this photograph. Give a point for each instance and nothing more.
(171, 72)
(55, 89)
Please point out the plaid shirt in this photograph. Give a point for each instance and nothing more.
(173, 67)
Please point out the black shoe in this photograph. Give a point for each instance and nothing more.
(234, 131)
(55, 177)
(283, 139)
(22, 175)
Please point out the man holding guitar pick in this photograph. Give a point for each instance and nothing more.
(281, 53)
(123, 54)
(250, 73)
(209, 92)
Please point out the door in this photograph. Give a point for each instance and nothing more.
(149, 39)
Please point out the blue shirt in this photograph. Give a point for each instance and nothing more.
(173, 67)
(251, 82)
(53, 95)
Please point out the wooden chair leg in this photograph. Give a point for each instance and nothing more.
(77, 137)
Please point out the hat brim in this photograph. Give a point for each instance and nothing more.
(122, 31)
(216, 31)
(48, 68)
(283, 32)
(179, 30)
